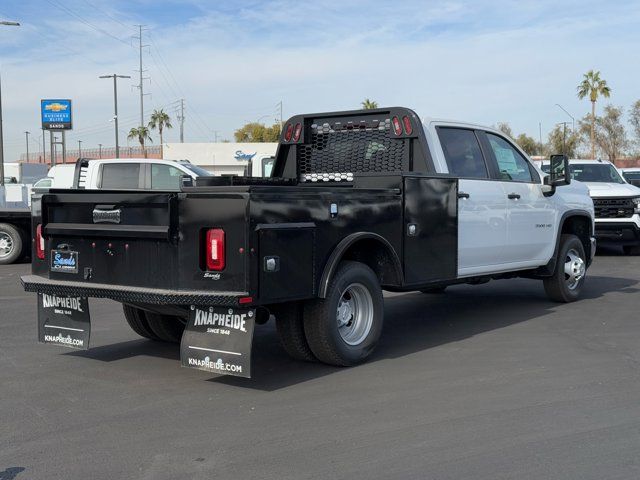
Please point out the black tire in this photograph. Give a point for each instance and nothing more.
(631, 249)
(434, 290)
(167, 328)
(290, 326)
(562, 287)
(355, 280)
(137, 320)
(11, 244)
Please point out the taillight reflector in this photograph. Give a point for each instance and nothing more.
(397, 128)
(407, 125)
(215, 249)
(297, 132)
(288, 133)
(39, 242)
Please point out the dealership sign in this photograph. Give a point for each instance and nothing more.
(56, 114)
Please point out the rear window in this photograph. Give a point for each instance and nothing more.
(118, 176)
(462, 153)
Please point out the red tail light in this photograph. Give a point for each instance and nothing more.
(407, 125)
(397, 128)
(288, 133)
(39, 242)
(215, 249)
(297, 132)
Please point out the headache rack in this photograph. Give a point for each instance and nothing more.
(333, 147)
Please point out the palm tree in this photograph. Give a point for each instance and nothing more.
(369, 104)
(142, 135)
(160, 120)
(593, 86)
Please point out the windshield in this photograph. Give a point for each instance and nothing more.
(631, 175)
(201, 172)
(595, 172)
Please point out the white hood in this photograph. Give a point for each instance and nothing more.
(601, 189)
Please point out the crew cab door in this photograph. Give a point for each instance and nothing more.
(482, 205)
(531, 217)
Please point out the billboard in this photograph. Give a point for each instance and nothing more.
(56, 114)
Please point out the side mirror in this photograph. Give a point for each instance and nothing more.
(559, 173)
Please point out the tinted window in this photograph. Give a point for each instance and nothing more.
(267, 166)
(165, 177)
(462, 153)
(511, 164)
(595, 172)
(120, 176)
(631, 175)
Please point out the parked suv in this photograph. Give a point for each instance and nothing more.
(616, 202)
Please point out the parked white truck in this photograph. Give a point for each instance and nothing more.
(616, 202)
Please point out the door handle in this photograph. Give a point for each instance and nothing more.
(463, 195)
(513, 196)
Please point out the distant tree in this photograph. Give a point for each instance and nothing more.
(563, 141)
(528, 144)
(611, 135)
(257, 132)
(634, 120)
(368, 104)
(505, 128)
(593, 86)
(160, 120)
(142, 135)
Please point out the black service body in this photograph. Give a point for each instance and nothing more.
(389, 210)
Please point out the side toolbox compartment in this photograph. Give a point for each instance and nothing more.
(286, 259)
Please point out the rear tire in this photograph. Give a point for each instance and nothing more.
(343, 329)
(137, 320)
(290, 326)
(571, 268)
(10, 244)
(167, 328)
(631, 249)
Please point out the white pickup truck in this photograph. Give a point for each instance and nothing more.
(616, 202)
(358, 202)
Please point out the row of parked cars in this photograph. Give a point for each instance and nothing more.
(358, 202)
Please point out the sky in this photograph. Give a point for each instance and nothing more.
(234, 61)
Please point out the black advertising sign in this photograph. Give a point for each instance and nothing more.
(218, 340)
(64, 321)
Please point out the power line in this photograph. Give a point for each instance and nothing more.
(106, 13)
(98, 29)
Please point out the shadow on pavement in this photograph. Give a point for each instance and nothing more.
(413, 322)
(11, 473)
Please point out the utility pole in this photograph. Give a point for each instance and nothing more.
(279, 104)
(99, 150)
(26, 134)
(141, 86)
(181, 118)
(44, 151)
(79, 148)
(9, 24)
(564, 137)
(215, 136)
(540, 132)
(115, 104)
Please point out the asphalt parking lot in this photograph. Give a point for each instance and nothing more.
(484, 382)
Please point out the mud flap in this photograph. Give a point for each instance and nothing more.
(219, 340)
(64, 321)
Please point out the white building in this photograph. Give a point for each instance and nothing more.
(254, 159)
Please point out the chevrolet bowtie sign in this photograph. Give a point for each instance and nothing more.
(56, 114)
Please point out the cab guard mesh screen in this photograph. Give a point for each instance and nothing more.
(337, 151)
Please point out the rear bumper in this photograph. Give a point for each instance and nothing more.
(623, 233)
(129, 294)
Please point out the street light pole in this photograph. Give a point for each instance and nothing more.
(573, 120)
(99, 150)
(26, 134)
(10, 24)
(79, 148)
(115, 104)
